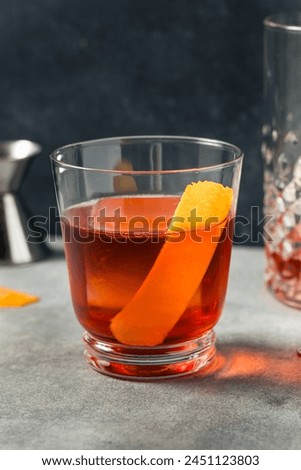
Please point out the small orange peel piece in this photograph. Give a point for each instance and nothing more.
(12, 298)
(124, 183)
(179, 268)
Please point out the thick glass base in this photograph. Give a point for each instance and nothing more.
(288, 291)
(287, 299)
(282, 277)
(160, 362)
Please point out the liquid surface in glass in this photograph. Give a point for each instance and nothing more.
(111, 245)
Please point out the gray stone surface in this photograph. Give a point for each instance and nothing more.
(50, 399)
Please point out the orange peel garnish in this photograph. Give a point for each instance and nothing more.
(178, 270)
(124, 183)
(12, 298)
(203, 204)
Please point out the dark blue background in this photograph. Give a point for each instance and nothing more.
(75, 70)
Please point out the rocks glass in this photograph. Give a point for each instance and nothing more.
(281, 151)
(148, 293)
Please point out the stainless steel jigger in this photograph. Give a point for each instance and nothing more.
(15, 248)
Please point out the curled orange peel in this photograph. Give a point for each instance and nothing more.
(179, 268)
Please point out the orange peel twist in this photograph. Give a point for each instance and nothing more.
(179, 268)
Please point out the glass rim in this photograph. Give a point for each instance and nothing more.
(284, 21)
(237, 153)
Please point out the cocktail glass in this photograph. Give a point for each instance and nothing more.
(147, 225)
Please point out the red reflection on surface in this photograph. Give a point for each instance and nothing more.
(278, 366)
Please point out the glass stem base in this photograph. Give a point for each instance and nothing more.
(165, 361)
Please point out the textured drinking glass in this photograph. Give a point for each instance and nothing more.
(147, 291)
(281, 151)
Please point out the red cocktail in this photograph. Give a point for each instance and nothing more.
(148, 249)
(107, 266)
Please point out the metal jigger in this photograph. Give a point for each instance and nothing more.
(15, 157)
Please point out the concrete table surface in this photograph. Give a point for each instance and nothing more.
(50, 399)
